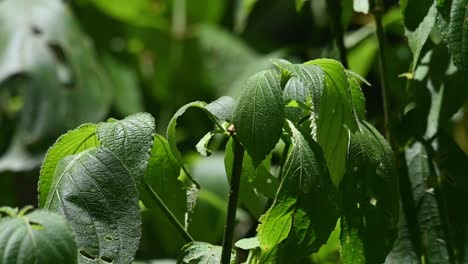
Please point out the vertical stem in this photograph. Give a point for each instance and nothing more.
(188, 238)
(335, 14)
(378, 11)
(179, 19)
(233, 195)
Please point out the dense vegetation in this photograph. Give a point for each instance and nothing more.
(217, 149)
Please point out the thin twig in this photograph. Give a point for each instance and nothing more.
(335, 13)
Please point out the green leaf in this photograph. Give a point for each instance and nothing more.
(131, 140)
(222, 108)
(73, 142)
(259, 115)
(414, 12)
(63, 84)
(202, 145)
(370, 198)
(275, 226)
(171, 133)
(306, 199)
(295, 90)
(336, 105)
(39, 237)
(248, 243)
(162, 175)
(457, 36)
(359, 101)
(202, 253)
(418, 37)
(96, 193)
(361, 6)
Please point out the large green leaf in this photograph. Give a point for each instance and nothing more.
(73, 142)
(259, 115)
(131, 140)
(222, 108)
(202, 253)
(370, 198)
(98, 196)
(39, 237)
(56, 68)
(414, 12)
(306, 200)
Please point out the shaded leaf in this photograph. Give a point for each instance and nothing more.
(259, 115)
(39, 237)
(96, 193)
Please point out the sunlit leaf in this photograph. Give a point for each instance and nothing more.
(202, 253)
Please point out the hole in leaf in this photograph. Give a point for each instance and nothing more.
(64, 70)
(36, 30)
(87, 255)
(106, 259)
(36, 225)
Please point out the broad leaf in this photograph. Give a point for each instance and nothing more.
(259, 115)
(370, 198)
(306, 200)
(131, 140)
(98, 196)
(202, 253)
(295, 90)
(222, 108)
(73, 142)
(54, 64)
(359, 101)
(39, 237)
(414, 12)
(248, 243)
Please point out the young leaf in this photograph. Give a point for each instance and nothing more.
(98, 196)
(259, 115)
(130, 140)
(39, 237)
(202, 145)
(248, 243)
(202, 253)
(222, 108)
(73, 142)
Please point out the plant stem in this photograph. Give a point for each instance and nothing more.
(378, 11)
(233, 196)
(172, 218)
(334, 11)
